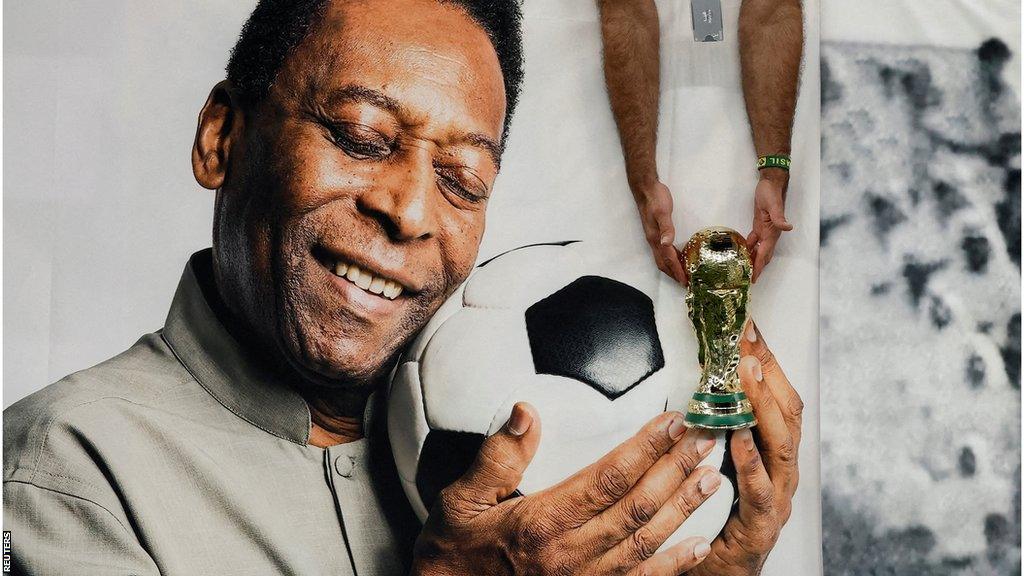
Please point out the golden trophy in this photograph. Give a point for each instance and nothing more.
(719, 267)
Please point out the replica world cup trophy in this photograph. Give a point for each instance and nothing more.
(719, 267)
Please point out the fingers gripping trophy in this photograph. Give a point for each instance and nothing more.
(719, 267)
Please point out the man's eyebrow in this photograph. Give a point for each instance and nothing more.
(356, 93)
(492, 148)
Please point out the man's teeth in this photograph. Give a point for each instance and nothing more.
(392, 290)
(367, 281)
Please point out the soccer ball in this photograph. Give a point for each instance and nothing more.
(579, 332)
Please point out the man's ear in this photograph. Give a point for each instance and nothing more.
(220, 124)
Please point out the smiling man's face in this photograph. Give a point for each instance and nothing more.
(354, 194)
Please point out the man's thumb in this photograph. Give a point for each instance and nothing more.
(778, 215)
(500, 463)
(752, 344)
(666, 231)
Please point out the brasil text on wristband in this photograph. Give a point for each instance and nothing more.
(773, 161)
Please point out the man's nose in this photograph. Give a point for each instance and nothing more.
(402, 199)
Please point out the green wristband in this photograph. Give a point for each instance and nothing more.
(773, 161)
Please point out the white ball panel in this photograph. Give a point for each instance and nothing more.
(407, 423)
(634, 269)
(414, 499)
(522, 277)
(473, 362)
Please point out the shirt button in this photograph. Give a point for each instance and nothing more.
(344, 465)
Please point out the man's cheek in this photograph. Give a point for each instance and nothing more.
(465, 245)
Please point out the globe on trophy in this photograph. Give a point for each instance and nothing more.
(719, 267)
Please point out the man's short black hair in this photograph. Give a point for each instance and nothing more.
(276, 27)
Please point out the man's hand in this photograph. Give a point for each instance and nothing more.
(766, 466)
(769, 218)
(609, 518)
(655, 205)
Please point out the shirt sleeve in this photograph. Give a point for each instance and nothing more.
(57, 533)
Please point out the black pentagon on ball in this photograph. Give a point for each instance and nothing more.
(446, 455)
(598, 331)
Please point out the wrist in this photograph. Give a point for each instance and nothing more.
(776, 175)
(641, 181)
(774, 166)
(644, 190)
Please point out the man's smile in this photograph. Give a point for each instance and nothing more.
(364, 283)
(367, 280)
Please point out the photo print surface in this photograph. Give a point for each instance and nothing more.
(102, 210)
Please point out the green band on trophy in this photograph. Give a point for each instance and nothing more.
(719, 267)
(720, 398)
(773, 161)
(724, 422)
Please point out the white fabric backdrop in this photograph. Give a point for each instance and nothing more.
(101, 211)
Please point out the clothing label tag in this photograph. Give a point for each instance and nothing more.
(707, 20)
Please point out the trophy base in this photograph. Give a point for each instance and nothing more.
(720, 412)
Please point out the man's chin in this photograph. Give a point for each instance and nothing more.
(345, 369)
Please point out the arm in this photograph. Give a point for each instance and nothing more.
(629, 30)
(771, 46)
(54, 532)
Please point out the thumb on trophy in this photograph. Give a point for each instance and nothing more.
(753, 344)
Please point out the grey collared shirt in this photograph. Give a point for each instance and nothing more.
(183, 456)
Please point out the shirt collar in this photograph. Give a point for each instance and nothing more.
(224, 368)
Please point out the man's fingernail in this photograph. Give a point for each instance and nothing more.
(751, 334)
(701, 550)
(676, 427)
(709, 482)
(746, 438)
(706, 442)
(520, 420)
(758, 375)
